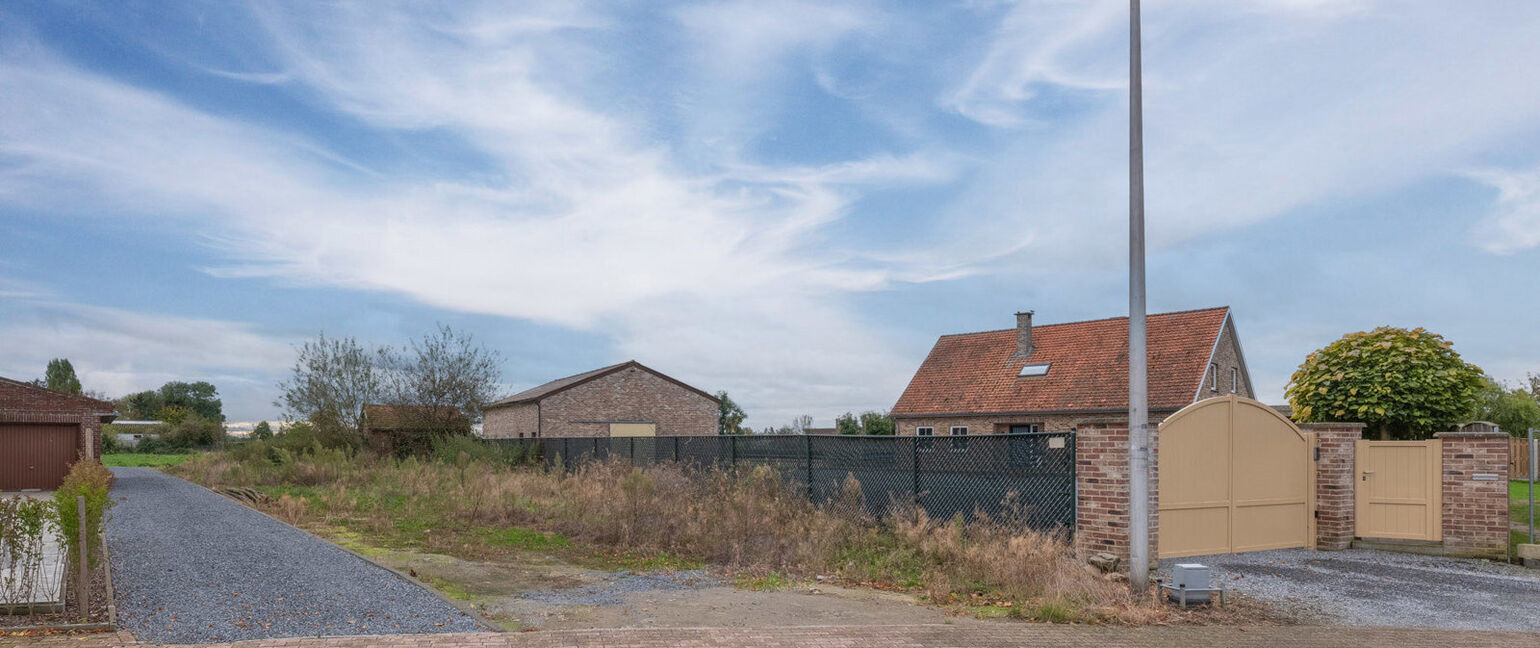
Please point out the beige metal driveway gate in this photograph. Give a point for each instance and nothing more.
(1235, 475)
(1399, 489)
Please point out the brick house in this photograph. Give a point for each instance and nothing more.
(43, 431)
(1057, 376)
(626, 399)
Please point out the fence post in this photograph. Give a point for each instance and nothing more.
(83, 583)
(633, 452)
(732, 453)
(914, 467)
(1534, 470)
(808, 451)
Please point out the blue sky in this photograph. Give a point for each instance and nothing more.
(786, 200)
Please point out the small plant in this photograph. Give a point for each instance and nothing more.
(771, 582)
(90, 479)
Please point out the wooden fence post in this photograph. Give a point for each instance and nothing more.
(84, 596)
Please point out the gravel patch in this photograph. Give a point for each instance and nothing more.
(191, 566)
(613, 589)
(1376, 588)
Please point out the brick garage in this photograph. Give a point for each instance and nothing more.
(628, 396)
(42, 432)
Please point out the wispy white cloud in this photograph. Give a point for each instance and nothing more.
(651, 220)
(117, 351)
(586, 223)
(1514, 224)
(1251, 110)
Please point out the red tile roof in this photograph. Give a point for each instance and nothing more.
(975, 372)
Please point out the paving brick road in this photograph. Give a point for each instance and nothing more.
(1000, 635)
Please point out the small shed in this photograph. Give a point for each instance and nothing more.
(409, 429)
(43, 432)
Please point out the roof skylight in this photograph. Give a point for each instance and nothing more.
(1039, 369)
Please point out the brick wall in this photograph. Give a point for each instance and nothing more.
(1334, 485)
(1475, 511)
(1101, 476)
(1227, 357)
(25, 403)
(511, 421)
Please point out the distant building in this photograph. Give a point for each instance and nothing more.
(130, 433)
(626, 399)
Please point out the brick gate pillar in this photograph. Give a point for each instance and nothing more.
(1101, 477)
(1475, 476)
(1336, 521)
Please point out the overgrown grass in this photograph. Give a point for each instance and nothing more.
(143, 460)
(672, 516)
(1518, 501)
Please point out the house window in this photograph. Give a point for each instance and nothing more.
(1235, 380)
(1213, 377)
(1026, 428)
(924, 442)
(959, 438)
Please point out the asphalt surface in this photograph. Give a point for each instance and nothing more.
(191, 566)
(1376, 588)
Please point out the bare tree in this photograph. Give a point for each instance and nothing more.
(333, 379)
(438, 385)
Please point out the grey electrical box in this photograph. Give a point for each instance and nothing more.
(1192, 577)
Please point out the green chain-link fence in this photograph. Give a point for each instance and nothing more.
(1026, 476)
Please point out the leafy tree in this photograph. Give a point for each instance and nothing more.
(877, 423)
(141, 406)
(847, 423)
(200, 398)
(186, 429)
(1513, 410)
(729, 415)
(60, 376)
(262, 431)
(1403, 384)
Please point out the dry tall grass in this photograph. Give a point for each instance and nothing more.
(748, 521)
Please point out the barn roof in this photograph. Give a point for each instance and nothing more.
(563, 384)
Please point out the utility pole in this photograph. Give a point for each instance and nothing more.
(1138, 376)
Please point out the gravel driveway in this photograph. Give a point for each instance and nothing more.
(191, 566)
(1376, 588)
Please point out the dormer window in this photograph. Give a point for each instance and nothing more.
(1036, 369)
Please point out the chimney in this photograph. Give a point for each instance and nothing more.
(1023, 334)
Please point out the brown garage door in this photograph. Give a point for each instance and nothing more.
(35, 455)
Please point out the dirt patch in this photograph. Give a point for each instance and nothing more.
(544, 593)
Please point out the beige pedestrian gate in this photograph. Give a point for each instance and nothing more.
(1235, 475)
(1399, 489)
